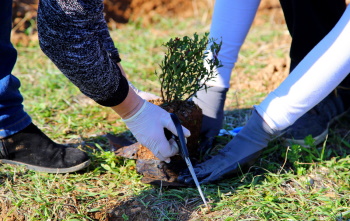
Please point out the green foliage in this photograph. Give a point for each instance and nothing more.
(109, 161)
(187, 66)
(302, 157)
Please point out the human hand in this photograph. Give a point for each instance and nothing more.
(148, 124)
(239, 153)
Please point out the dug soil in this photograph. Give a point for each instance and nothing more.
(119, 12)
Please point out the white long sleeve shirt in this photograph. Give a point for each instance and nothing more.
(310, 82)
(320, 72)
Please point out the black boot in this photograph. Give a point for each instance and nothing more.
(32, 148)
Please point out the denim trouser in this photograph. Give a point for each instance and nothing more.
(12, 116)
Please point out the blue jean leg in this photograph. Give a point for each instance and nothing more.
(13, 118)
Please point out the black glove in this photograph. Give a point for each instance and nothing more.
(240, 152)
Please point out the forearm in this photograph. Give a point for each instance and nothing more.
(230, 23)
(313, 79)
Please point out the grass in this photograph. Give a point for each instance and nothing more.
(288, 183)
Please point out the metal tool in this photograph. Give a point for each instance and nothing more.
(181, 142)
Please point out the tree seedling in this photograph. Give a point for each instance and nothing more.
(187, 65)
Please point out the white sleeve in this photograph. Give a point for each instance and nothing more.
(320, 72)
(231, 22)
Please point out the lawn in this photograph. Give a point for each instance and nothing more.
(287, 183)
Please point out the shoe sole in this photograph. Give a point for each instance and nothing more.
(320, 138)
(48, 169)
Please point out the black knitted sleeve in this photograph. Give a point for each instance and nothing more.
(70, 35)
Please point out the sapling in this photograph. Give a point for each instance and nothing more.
(187, 65)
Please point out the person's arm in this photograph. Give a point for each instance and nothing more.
(320, 72)
(311, 81)
(106, 39)
(113, 53)
(240, 153)
(231, 22)
(69, 36)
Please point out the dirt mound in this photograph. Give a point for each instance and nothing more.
(24, 21)
(119, 12)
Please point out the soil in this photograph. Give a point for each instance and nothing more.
(118, 13)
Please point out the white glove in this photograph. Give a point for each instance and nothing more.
(144, 95)
(148, 124)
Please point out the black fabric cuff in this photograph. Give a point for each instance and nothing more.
(115, 57)
(118, 96)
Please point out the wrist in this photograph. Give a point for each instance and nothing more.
(133, 116)
(259, 128)
(133, 87)
(130, 106)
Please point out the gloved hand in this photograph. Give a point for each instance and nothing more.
(144, 95)
(148, 124)
(240, 152)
